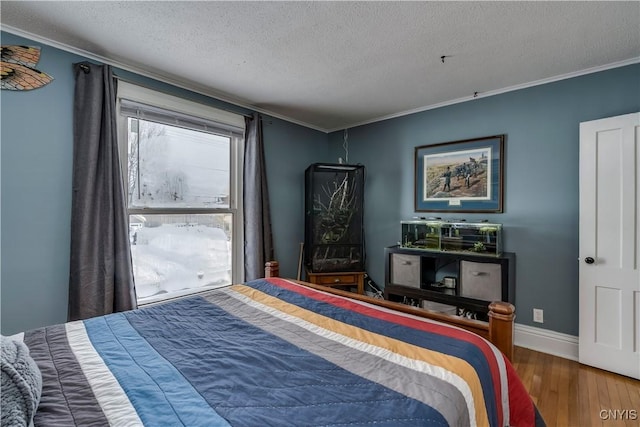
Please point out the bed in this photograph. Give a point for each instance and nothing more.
(273, 352)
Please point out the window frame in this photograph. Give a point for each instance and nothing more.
(143, 95)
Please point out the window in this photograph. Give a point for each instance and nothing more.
(182, 170)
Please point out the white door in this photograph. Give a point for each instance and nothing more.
(609, 249)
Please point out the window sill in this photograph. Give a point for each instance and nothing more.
(165, 297)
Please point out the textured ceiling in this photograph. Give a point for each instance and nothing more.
(332, 65)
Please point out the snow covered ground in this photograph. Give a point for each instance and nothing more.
(179, 256)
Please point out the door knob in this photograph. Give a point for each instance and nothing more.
(589, 260)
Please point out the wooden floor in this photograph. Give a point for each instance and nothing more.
(570, 394)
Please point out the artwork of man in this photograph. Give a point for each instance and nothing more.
(447, 180)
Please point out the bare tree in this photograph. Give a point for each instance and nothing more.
(141, 133)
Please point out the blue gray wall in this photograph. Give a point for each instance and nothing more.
(541, 169)
(36, 167)
(541, 190)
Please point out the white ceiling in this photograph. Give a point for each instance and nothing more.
(333, 65)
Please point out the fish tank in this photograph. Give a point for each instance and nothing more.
(479, 238)
(421, 234)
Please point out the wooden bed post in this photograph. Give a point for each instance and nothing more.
(501, 318)
(272, 269)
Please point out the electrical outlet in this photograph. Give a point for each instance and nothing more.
(538, 315)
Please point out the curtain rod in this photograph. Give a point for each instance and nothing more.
(85, 67)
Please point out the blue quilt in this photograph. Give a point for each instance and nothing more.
(272, 353)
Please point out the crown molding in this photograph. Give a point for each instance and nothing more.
(164, 79)
(496, 92)
(238, 103)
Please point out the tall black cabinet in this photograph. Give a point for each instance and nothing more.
(334, 233)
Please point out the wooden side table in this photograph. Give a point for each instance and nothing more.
(342, 278)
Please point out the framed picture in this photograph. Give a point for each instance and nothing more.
(460, 176)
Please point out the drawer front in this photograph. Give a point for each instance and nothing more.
(337, 279)
(481, 280)
(405, 270)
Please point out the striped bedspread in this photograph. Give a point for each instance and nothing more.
(272, 353)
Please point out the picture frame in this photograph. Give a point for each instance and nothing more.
(460, 176)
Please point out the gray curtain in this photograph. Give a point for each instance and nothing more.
(258, 247)
(101, 274)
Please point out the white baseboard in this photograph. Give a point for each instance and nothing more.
(546, 341)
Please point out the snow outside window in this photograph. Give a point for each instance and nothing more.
(182, 175)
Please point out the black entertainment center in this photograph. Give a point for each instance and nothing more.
(450, 282)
